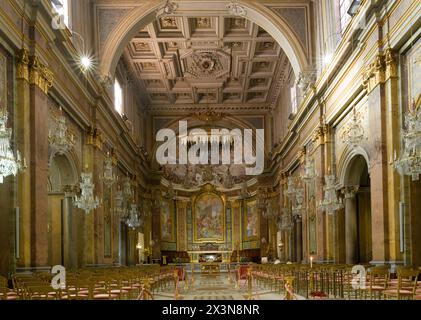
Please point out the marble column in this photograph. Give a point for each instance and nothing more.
(351, 225)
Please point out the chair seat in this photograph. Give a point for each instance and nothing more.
(104, 296)
(80, 296)
(119, 291)
(396, 292)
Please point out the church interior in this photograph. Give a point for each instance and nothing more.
(111, 113)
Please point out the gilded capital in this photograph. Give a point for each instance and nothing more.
(374, 73)
(391, 65)
(40, 75)
(22, 69)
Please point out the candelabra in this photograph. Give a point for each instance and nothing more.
(330, 203)
(58, 137)
(87, 201)
(9, 163)
(108, 177)
(409, 163)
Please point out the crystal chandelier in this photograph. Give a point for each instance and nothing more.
(58, 138)
(353, 135)
(330, 203)
(108, 177)
(87, 201)
(9, 163)
(409, 163)
(133, 221)
(309, 171)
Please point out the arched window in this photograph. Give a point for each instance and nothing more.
(62, 8)
(118, 97)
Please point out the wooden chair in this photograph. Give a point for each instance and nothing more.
(405, 285)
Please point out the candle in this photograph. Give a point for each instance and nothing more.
(311, 261)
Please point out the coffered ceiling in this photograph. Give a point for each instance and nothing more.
(216, 60)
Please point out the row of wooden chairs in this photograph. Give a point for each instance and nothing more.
(94, 284)
(338, 281)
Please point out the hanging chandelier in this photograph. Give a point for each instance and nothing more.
(58, 138)
(409, 163)
(331, 202)
(108, 177)
(309, 171)
(9, 163)
(87, 201)
(133, 221)
(353, 135)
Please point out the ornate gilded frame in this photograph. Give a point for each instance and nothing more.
(209, 190)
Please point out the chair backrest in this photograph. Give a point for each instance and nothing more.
(407, 278)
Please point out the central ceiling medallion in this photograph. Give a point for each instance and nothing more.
(206, 63)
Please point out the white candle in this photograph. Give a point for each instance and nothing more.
(311, 262)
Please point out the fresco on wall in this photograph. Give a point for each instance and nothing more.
(167, 221)
(251, 222)
(209, 218)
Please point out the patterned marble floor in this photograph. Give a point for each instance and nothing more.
(216, 287)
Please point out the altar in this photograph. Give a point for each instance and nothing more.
(210, 268)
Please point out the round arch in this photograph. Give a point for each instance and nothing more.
(347, 161)
(148, 11)
(63, 171)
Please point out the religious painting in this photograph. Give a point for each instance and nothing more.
(251, 221)
(209, 218)
(167, 221)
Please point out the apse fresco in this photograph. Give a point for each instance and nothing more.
(251, 222)
(167, 222)
(209, 218)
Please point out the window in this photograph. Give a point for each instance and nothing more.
(118, 97)
(344, 17)
(62, 9)
(294, 104)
